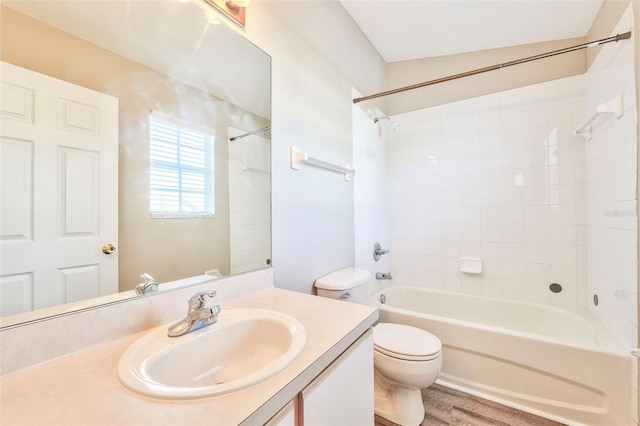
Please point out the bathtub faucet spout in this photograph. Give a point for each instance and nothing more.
(383, 276)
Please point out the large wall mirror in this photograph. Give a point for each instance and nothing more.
(135, 139)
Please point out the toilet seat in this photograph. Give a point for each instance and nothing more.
(405, 342)
(405, 357)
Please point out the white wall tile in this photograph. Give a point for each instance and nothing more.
(536, 195)
(492, 268)
(514, 251)
(492, 232)
(452, 282)
(514, 271)
(537, 273)
(540, 205)
(494, 191)
(610, 174)
(491, 250)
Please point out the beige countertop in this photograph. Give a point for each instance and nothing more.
(83, 389)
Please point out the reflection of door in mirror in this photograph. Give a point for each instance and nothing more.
(59, 192)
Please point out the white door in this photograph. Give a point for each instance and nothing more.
(58, 191)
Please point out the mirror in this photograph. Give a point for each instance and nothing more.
(124, 74)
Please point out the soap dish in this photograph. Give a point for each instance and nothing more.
(471, 265)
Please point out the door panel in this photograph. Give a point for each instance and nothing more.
(59, 186)
(16, 163)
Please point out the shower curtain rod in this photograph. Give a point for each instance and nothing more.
(617, 37)
(244, 135)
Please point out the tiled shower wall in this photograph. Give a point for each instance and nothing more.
(611, 160)
(501, 178)
(371, 204)
(249, 203)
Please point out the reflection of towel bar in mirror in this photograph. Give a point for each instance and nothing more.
(244, 169)
(613, 107)
(299, 157)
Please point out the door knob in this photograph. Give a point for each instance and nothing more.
(108, 249)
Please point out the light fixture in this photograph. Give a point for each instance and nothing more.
(233, 9)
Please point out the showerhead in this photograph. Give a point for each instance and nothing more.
(394, 124)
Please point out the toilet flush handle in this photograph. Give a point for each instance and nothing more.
(346, 295)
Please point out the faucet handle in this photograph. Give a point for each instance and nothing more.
(197, 301)
(378, 251)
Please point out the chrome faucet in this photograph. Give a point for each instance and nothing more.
(198, 315)
(383, 276)
(148, 286)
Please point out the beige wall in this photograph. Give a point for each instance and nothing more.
(156, 246)
(607, 18)
(405, 73)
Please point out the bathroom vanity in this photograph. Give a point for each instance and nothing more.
(331, 381)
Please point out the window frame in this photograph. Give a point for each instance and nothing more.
(207, 171)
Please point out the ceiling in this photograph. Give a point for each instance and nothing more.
(412, 29)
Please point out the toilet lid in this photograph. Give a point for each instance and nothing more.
(404, 341)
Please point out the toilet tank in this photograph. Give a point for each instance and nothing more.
(346, 284)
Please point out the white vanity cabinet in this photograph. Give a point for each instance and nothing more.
(330, 384)
(343, 393)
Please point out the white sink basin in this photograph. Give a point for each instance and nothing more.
(244, 347)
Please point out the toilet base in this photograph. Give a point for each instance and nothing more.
(400, 404)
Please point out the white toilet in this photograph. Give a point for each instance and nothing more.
(406, 359)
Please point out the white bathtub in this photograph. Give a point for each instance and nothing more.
(556, 363)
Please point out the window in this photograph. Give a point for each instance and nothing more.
(181, 183)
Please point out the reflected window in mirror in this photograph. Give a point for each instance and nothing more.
(181, 170)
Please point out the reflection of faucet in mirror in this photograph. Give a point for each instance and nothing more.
(148, 286)
(198, 315)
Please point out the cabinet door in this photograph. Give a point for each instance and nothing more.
(343, 393)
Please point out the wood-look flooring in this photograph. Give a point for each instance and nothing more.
(445, 406)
